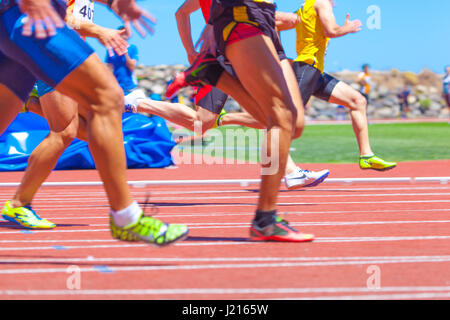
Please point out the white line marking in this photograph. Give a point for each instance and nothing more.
(217, 259)
(223, 291)
(221, 243)
(225, 266)
(156, 199)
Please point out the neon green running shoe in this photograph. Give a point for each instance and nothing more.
(375, 163)
(219, 119)
(25, 217)
(149, 230)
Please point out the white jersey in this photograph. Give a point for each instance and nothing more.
(446, 83)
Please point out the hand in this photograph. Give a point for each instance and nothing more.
(352, 26)
(208, 40)
(113, 41)
(42, 16)
(129, 11)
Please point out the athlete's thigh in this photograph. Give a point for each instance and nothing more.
(49, 59)
(294, 89)
(342, 94)
(10, 106)
(93, 86)
(59, 110)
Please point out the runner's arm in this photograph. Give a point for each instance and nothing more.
(286, 20)
(183, 17)
(324, 10)
(109, 38)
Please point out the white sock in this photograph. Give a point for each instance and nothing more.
(127, 216)
(368, 155)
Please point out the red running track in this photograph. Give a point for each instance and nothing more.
(398, 232)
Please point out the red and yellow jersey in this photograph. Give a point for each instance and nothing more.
(81, 9)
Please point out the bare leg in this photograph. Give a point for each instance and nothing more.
(10, 106)
(175, 112)
(348, 97)
(93, 86)
(264, 79)
(62, 116)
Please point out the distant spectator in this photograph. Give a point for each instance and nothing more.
(123, 67)
(340, 113)
(403, 100)
(446, 83)
(364, 80)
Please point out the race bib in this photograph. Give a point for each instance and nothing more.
(84, 10)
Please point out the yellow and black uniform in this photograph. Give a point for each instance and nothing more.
(236, 20)
(310, 62)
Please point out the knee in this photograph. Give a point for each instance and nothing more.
(203, 124)
(359, 103)
(110, 100)
(299, 126)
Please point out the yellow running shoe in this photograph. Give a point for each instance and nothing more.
(25, 217)
(219, 119)
(375, 163)
(150, 230)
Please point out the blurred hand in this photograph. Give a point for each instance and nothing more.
(287, 20)
(113, 41)
(130, 12)
(42, 16)
(352, 26)
(208, 40)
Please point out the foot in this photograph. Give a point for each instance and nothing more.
(205, 70)
(150, 230)
(279, 230)
(305, 179)
(219, 119)
(375, 163)
(25, 217)
(133, 99)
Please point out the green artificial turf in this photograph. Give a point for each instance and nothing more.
(337, 143)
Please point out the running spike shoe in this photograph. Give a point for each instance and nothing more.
(279, 231)
(375, 163)
(205, 70)
(25, 217)
(150, 230)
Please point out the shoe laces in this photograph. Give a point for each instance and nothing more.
(33, 212)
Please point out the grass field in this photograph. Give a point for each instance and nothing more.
(337, 143)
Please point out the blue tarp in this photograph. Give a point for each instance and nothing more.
(147, 141)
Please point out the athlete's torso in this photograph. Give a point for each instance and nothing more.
(365, 89)
(311, 40)
(447, 84)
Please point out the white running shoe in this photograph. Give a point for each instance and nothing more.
(132, 100)
(304, 178)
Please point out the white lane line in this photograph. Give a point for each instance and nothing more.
(217, 259)
(70, 216)
(420, 296)
(228, 291)
(185, 205)
(224, 266)
(231, 225)
(225, 243)
(359, 195)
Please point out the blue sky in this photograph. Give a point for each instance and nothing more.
(414, 35)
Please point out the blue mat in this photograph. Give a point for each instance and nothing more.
(147, 142)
